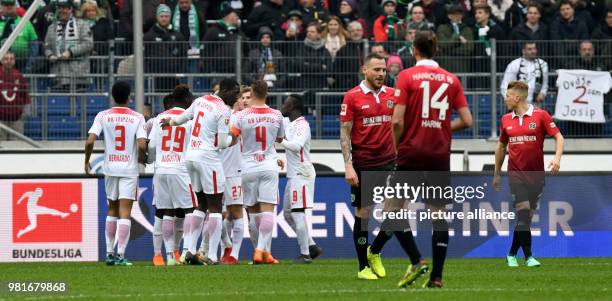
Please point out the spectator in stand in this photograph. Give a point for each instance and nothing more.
(603, 31)
(349, 58)
(499, 9)
(531, 70)
(164, 50)
(517, 14)
(267, 63)
(456, 42)
(13, 96)
(25, 46)
(434, 11)
(126, 20)
(102, 31)
(268, 13)
(313, 61)
(312, 12)
(587, 59)
(417, 20)
(583, 12)
(394, 67)
(188, 19)
(294, 27)
(533, 29)
(486, 29)
(220, 56)
(349, 12)
(379, 49)
(334, 36)
(370, 10)
(569, 29)
(405, 52)
(387, 27)
(68, 44)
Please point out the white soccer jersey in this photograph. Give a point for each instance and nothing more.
(259, 128)
(168, 145)
(297, 146)
(232, 157)
(149, 125)
(210, 117)
(121, 127)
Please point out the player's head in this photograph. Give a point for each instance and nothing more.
(374, 70)
(293, 106)
(245, 98)
(516, 94)
(168, 101)
(121, 92)
(425, 45)
(259, 92)
(182, 96)
(229, 90)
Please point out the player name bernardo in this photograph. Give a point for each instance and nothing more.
(476, 214)
(118, 158)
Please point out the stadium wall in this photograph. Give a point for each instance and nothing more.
(574, 220)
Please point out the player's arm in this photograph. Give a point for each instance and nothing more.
(397, 124)
(345, 143)
(300, 138)
(22, 198)
(464, 121)
(500, 156)
(89, 146)
(180, 119)
(152, 145)
(142, 150)
(555, 164)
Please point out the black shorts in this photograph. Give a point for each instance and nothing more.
(433, 176)
(356, 200)
(522, 192)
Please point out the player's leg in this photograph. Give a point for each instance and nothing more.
(360, 231)
(111, 185)
(194, 221)
(168, 224)
(50, 211)
(235, 213)
(226, 231)
(313, 249)
(179, 219)
(267, 201)
(300, 202)
(127, 195)
(158, 260)
(215, 185)
(535, 193)
(249, 184)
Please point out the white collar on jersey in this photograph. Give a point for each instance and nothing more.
(427, 62)
(528, 113)
(367, 90)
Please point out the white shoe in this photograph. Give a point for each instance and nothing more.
(171, 260)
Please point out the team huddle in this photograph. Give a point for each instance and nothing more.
(220, 148)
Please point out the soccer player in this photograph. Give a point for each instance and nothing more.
(171, 183)
(422, 129)
(299, 191)
(522, 132)
(260, 126)
(365, 138)
(124, 146)
(210, 134)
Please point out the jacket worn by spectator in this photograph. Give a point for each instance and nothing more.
(455, 54)
(533, 72)
(573, 30)
(220, 56)
(522, 32)
(126, 16)
(515, 15)
(165, 52)
(24, 47)
(191, 22)
(75, 37)
(313, 62)
(381, 28)
(266, 14)
(13, 99)
(434, 12)
(347, 66)
(313, 14)
(268, 63)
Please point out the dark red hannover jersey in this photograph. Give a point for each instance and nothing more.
(525, 138)
(429, 93)
(370, 112)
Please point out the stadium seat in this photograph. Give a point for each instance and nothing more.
(33, 128)
(58, 105)
(63, 128)
(330, 126)
(94, 104)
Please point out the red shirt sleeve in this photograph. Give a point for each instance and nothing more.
(401, 89)
(503, 136)
(549, 125)
(346, 109)
(460, 100)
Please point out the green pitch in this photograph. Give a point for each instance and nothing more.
(326, 279)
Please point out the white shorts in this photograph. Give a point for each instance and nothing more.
(299, 193)
(261, 186)
(233, 191)
(120, 188)
(171, 191)
(206, 177)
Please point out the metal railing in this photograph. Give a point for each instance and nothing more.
(63, 102)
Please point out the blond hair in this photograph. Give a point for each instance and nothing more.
(519, 88)
(90, 6)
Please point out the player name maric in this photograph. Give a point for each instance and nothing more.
(476, 214)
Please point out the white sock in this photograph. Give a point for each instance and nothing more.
(178, 232)
(226, 241)
(186, 231)
(168, 234)
(308, 214)
(205, 238)
(111, 232)
(269, 242)
(237, 235)
(214, 227)
(302, 232)
(157, 236)
(197, 221)
(266, 225)
(123, 235)
(253, 228)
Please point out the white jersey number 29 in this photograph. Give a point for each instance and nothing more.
(434, 102)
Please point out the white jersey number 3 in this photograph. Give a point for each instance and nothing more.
(434, 102)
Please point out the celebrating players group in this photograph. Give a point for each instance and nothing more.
(221, 148)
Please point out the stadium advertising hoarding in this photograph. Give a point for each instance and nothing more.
(572, 221)
(48, 220)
